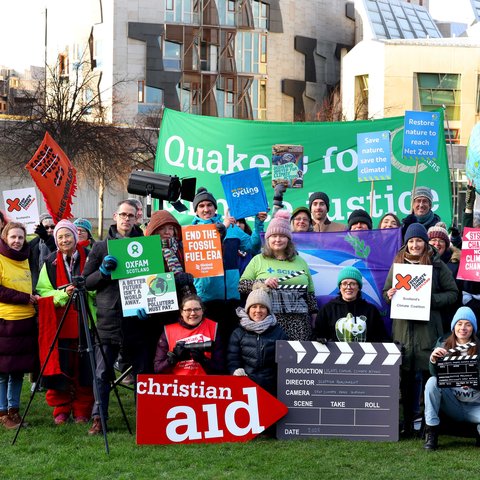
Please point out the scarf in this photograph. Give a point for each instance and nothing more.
(170, 250)
(70, 324)
(425, 219)
(199, 221)
(46, 333)
(252, 326)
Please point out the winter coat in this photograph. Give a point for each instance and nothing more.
(417, 337)
(111, 325)
(337, 309)
(18, 338)
(255, 353)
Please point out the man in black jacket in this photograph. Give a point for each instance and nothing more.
(115, 330)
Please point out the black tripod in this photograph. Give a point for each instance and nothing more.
(85, 324)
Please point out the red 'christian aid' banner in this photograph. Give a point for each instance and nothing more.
(202, 409)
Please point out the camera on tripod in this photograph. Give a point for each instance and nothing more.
(78, 281)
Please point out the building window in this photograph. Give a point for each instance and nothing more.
(251, 52)
(149, 98)
(440, 89)
(172, 56)
(62, 65)
(260, 14)
(452, 135)
(226, 12)
(182, 11)
(361, 97)
(98, 53)
(190, 97)
(259, 99)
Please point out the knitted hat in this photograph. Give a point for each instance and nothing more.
(350, 272)
(359, 216)
(299, 210)
(65, 224)
(423, 192)
(416, 230)
(44, 216)
(464, 313)
(279, 225)
(439, 231)
(160, 219)
(83, 223)
(203, 196)
(259, 295)
(319, 196)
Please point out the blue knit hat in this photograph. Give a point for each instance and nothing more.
(465, 313)
(350, 272)
(83, 223)
(416, 230)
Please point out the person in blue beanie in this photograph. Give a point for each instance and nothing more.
(459, 403)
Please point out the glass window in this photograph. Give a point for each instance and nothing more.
(171, 56)
(149, 98)
(440, 89)
(182, 11)
(251, 52)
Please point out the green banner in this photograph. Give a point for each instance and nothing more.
(136, 256)
(207, 147)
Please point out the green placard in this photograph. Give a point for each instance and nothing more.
(136, 256)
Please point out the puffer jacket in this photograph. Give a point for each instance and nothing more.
(255, 353)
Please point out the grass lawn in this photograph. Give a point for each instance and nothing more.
(45, 451)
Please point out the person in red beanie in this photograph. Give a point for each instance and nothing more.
(70, 388)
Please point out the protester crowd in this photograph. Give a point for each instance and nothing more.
(226, 324)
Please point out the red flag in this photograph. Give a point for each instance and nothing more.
(55, 177)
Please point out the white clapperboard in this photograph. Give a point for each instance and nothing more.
(458, 369)
(339, 390)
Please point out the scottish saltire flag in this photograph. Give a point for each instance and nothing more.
(371, 251)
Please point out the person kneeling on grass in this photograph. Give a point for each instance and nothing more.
(251, 351)
(459, 403)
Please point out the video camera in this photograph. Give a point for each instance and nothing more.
(201, 346)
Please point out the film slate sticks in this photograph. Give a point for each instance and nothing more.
(338, 390)
(458, 369)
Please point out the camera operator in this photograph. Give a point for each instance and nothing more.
(192, 345)
(70, 386)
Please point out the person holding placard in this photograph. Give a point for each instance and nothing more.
(421, 209)
(279, 265)
(462, 404)
(417, 337)
(115, 330)
(220, 294)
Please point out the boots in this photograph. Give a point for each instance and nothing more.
(6, 421)
(15, 416)
(431, 437)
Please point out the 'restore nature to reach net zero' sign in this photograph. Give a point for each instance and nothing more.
(208, 147)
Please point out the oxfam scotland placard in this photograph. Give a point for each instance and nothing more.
(136, 256)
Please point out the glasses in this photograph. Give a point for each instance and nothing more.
(49, 227)
(126, 216)
(349, 284)
(192, 310)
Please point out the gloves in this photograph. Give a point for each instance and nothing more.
(179, 353)
(222, 230)
(108, 265)
(142, 314)
(41, 231)
(240, 372)
(183, 279)
(278, 192)
(470, 198)
(197, 355)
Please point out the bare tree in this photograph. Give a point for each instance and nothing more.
(69, 106)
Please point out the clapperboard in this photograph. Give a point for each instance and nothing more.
(289, 298)
(458, 369)
(338, 390)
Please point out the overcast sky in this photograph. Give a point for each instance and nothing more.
(22, 31)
